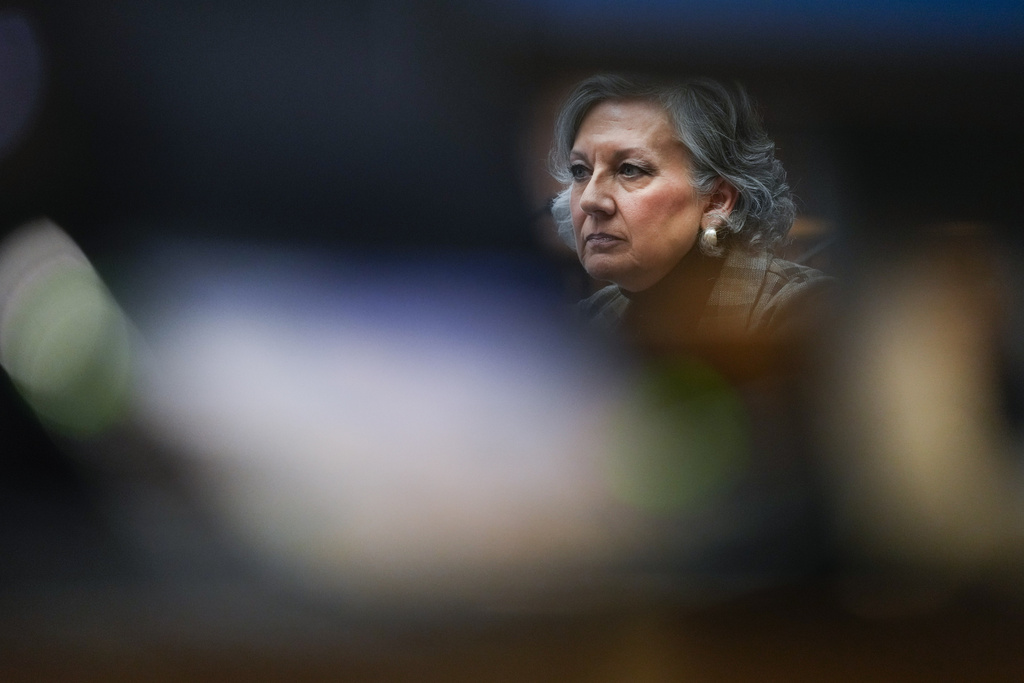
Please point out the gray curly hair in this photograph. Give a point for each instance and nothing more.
(725, 139)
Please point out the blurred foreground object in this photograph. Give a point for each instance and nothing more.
(929, 485)
(63, 339)
(389, 429)
(381, 430)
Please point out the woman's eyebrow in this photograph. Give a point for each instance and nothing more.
(617, 154)
(633, 152)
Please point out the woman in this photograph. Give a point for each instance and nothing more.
(674, 196)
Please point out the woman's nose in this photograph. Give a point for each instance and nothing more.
(596, 199)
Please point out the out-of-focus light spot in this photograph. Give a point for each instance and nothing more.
(63, 340)
(385, 432)
(20, 77)
(684, 439)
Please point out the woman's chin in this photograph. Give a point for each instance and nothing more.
(603, 275)
(600, 267)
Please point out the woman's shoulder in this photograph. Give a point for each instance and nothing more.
(785, 280)
(795, 300)
(761, 292)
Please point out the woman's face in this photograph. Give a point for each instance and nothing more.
(634, 212)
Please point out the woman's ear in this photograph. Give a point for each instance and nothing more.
(722, 199)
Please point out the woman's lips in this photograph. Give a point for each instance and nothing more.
(602, 239)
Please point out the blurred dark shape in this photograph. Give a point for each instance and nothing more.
(21, 77)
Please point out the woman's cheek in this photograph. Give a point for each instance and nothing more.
(578, 217)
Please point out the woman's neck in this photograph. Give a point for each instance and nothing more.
(667, 313)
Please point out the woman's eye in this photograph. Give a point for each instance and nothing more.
(578, 171)
(630, 170)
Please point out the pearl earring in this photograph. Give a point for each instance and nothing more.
(710, 236)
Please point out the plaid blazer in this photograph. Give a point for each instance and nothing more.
(755, 293)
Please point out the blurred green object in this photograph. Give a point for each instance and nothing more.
(66, 345)
(683, 440)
